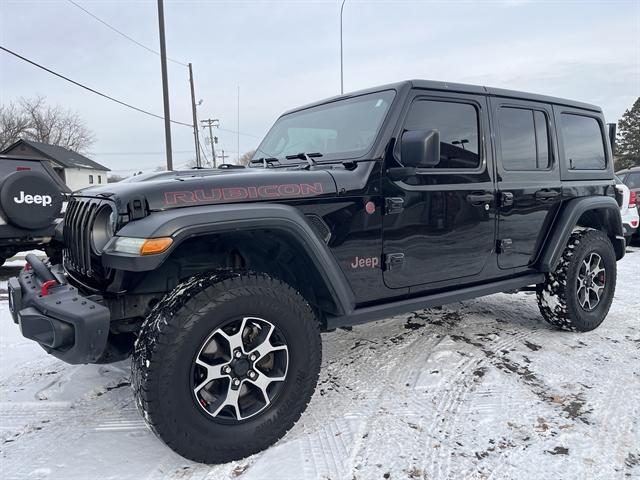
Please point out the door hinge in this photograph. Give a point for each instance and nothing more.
(393, 261)
(137, 208)
(506, 199)
(505, 245)
(393, 205)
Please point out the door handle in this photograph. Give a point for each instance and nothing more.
(547, 194)
(480, 198)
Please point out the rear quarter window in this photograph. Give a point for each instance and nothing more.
(633, 180)
(583, 142)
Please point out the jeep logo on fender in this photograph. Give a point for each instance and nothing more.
(44, 200)
(230, 194)
(369, 262)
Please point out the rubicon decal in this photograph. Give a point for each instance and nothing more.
(44, 200)
(234, 194)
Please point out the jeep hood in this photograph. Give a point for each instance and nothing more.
(225, 186)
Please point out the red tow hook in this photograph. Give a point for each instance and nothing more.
(44, 288)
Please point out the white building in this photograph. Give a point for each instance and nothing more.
(76, 170)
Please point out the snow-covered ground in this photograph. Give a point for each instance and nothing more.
(481, 389)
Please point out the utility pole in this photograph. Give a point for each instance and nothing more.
(238, 134)
(195, 118)
(165, 86)
(341, 62)
(223, 156)
(211, 122)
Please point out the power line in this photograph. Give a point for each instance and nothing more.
(204, 152)
(236, 132)
(122, 33)
(138, 153)
(91, 89)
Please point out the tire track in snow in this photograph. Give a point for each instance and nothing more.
(614, 402)
(442, 468)
(439, 423)
(383, 363)
(396, 397)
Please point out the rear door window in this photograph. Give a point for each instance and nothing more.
(583, 142)
(524, 139)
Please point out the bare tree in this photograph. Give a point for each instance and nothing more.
(14, 124)
(191, 163)
(115, 178)
(246, 157)
(33, 119)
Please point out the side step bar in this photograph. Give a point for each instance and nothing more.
(378, 312)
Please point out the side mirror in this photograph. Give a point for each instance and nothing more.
(420, 148)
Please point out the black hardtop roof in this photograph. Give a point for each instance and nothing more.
(460, 88)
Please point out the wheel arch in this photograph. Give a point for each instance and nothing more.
(261, 235)
(599, 213)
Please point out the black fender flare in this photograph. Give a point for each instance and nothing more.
(183, 223)
(567, 220)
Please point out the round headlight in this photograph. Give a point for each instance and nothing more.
(104, 227)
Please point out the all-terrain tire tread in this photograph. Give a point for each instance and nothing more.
(171, 321)
(552, 294)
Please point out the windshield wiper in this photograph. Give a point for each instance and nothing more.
(308, 157)
(264, 161)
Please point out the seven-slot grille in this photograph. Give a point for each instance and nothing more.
(78, 221)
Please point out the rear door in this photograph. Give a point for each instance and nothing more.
(529, 189)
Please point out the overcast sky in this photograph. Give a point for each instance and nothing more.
(284, 54)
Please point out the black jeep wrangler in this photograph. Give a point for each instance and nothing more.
(353, 209)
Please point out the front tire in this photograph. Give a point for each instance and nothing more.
(226, 364)
(578, 294)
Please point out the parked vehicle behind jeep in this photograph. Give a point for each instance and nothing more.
(356, 208)
(31, 200)
(631, 178)
(628, 211)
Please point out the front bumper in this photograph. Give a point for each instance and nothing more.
(68, 325)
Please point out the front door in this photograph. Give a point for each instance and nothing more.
(529, 187)
(439, 224)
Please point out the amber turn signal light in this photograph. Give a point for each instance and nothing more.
(151, 246)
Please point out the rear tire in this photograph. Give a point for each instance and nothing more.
(187, 358)
(578, 294)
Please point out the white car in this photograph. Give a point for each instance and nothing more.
(628, 211)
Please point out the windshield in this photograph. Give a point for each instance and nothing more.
(341, 129)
